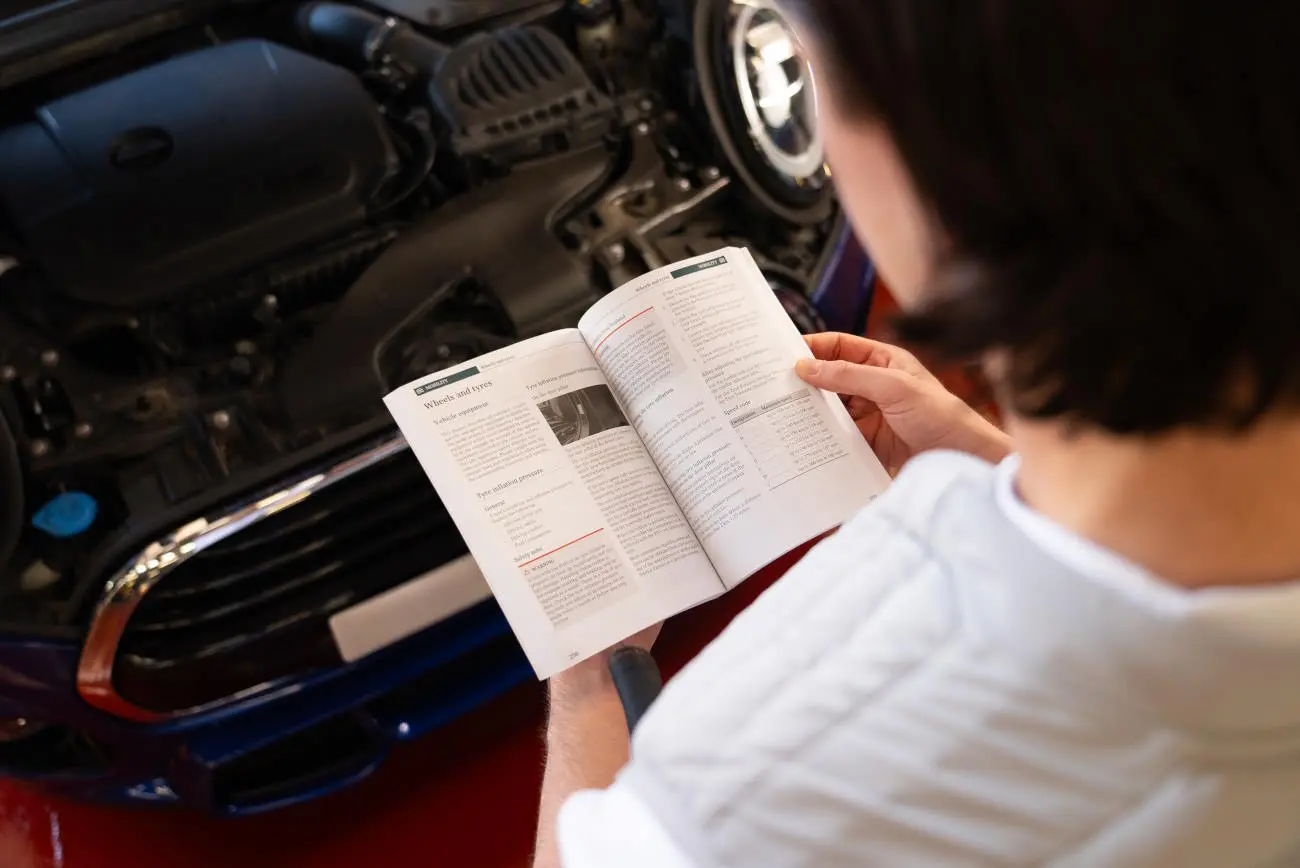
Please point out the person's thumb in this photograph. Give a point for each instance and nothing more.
(881, 386)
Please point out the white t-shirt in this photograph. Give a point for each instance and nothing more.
(955, 680)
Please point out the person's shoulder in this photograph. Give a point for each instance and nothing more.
(933, 481)
(935, 494)
(881, 574)
(856, 627)
(946, 464)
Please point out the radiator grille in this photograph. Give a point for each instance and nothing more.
(255, 606)
(317, 757)
(54, 752)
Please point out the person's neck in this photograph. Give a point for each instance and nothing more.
(1196, 510)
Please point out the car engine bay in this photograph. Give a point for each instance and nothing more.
(225, 239)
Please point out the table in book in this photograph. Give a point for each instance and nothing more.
(609, 476)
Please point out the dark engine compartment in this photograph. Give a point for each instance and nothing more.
(224, 241)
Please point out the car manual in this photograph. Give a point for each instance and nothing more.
(609, 476)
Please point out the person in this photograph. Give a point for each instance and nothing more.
(1086, 653)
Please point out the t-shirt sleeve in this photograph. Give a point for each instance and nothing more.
(613, 828)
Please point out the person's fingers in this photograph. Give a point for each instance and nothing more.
(833, 346)
(837, 346)
(859, 408)
(877, 385)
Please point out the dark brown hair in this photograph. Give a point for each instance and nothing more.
(1118, 182)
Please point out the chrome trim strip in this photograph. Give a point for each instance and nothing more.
(124, 591)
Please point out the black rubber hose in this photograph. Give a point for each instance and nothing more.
(11, 492)
(360, 39)
(425, 151)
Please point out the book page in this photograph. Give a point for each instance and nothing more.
(568, 518)
(701, 354)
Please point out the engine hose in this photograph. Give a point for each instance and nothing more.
(425, 152)
(11, 492)
(361, 40)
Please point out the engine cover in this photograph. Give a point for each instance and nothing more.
(454, 13)
(191, 169)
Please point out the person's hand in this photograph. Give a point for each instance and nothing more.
(592, 675)
(898, 405)
(644, 639)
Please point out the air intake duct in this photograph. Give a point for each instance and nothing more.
(362, 40)
(517, 93)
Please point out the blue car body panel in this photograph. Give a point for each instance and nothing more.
(210, 760)
(177, 760)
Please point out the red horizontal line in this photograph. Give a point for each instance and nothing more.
(565, 546)
(617, 327)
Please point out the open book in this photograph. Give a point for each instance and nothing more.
(609, 476)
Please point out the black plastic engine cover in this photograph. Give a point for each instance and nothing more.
(454, 13)
(500, 236)
(191, 169)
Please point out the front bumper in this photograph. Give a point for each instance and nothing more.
(296, 740)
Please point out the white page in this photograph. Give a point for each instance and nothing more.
(702, 355)
(562, 508)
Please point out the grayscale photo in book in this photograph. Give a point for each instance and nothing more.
(609, 476)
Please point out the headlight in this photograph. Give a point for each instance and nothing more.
(776, 90)
(761, 100)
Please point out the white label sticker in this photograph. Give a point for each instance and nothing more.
(408, 608)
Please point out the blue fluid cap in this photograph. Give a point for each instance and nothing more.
(67, 514)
